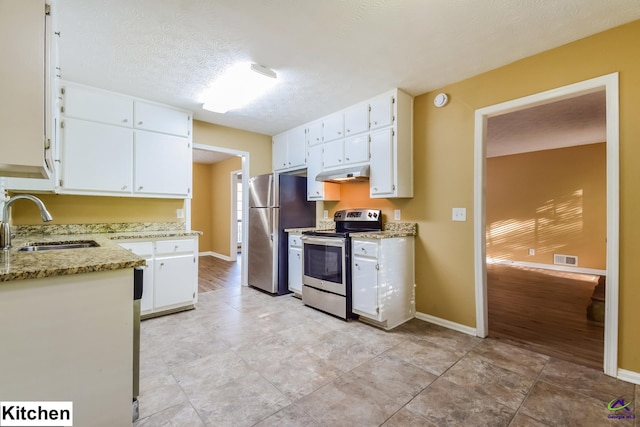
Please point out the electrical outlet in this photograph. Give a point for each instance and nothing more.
(459, 214)
(325, 214)
(532, 251)
(180, 213)
(396, 215)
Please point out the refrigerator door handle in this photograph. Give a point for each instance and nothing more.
(270, 193)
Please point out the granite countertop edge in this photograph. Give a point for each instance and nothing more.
(15, 265)
(391, 230)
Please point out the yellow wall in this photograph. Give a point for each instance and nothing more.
(553, 201)
(221, 204)
(258, 145)
(201, 205)
(91, 210)
(443, 173)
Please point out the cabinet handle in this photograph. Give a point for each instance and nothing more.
(162, 264)
(298, 256)
(339, 160)
(139, 123)
(175, 248)
(375, 188)
(140, 188)
(125, 120)
(339, 133)
(347, 159)
(375, 123)
(124, 187)
(363, 250)
(348, 130)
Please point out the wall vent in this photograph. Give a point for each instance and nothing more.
(565, 260)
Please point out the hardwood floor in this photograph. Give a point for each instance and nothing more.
(545, 311)
(215, 273)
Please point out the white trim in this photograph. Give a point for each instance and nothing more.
(553, 267)
(446, 323)
(233, 224)
(245, 202)
(629, 376)
(216, 255)
(610, 83)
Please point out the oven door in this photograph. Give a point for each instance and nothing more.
(323, 263)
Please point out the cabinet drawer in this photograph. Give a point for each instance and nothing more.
(294, 240)
(175, 246)
(139, 248)
(365, 248)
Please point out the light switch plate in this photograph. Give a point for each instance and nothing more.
(180, 213)
(459, 214)
(325, 214)
(396, 215)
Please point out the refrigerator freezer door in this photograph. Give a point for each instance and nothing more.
(262, 243)
(261, 191)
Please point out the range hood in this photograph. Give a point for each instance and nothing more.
(348, 174)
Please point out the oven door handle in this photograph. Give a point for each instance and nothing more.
(325, 241)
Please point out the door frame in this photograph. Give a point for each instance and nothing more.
(233, 178)
(609, 83)
(245, 201)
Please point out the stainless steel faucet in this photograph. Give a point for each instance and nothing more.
(5, 229)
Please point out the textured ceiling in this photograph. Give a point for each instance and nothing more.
(328, 54)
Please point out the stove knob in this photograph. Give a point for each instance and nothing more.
(369, 214)
(375, 215)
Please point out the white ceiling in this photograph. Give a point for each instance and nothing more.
(328, 54)
(209, 157)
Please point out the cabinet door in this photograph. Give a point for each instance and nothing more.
(381, 114)
(381, 181)
(146, 303)
(174, 283)
(296, 147)
(295, 270)
(315, 189)
(96, 157)
(162, 164)
(98, 106)
(333, 127)
(279, 152)
(161, 119)
(356, 149)
(332, 154)
(356, 120)
(24, 85)
(314, 133)
(365, 286)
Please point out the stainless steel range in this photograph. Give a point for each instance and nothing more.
(326, 261)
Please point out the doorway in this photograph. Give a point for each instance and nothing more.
(608, 84)
(236, 181)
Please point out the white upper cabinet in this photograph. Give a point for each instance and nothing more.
(27, 44)
(97, 105)
(381, 114)
(356, 149)
(317, 190)
(333, 154)
(382, 179)
(356, 119)
(333, 127)
(289, 150)
(113, 144)
(159, 118)
(157, 159)
(314, 133)
(96, 157)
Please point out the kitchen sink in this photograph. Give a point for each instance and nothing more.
(51, 246)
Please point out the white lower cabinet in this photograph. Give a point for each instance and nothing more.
(295, 264)
(383, 280)
(170, 280)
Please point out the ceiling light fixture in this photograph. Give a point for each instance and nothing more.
(238, 86)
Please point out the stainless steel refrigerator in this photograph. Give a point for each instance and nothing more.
(276, 202)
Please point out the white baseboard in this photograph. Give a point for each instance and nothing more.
(548, 266)
(216, 255)
(446, 323)
(629, 376)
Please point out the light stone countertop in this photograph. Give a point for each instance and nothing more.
(391, 230)
(15, 265)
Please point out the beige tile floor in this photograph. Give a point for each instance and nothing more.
(243, 358)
